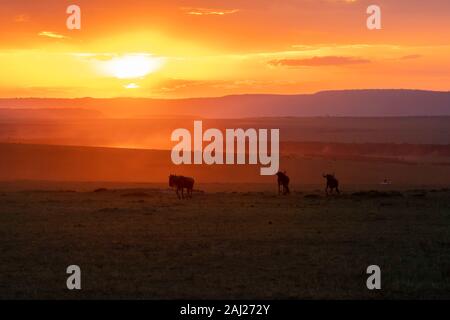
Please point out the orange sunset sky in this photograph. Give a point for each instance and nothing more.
(174, 49)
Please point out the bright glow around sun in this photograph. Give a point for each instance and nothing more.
(132, 66)
(131, 86)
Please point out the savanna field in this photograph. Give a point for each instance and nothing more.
(236, 238)
(144, 243)
(257, 110)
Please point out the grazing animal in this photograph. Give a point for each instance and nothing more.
(332, 183)
(283, 182)
(181, 183)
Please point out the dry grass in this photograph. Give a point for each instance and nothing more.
(146, 244)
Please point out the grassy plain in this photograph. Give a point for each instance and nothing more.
(144, 243)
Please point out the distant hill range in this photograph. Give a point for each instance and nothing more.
(48, 113)
(348, 103)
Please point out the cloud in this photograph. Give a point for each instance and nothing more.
(51, 34)
(177, 85)
(21, 18)
(94, 56)
(411, 56)
(107, 56)
(39, 91)
(132, 86)
(318, 61)
(206, 11)
(168, 85)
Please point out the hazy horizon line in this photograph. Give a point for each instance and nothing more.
(224, 96)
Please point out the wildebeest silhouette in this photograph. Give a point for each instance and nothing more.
(181, 183)
(332, 183)
(283, 183)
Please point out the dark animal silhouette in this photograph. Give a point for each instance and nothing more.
(283, 183)
(181, 183)
(332, 183)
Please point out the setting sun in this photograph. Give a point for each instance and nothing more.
(165, 49)
(217, 159)
(132, 66)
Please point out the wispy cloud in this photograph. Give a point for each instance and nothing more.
(208, 11)
(132, 86)
(51, 34)
(411, 56)
(345, 46)
(106, 56)
(318, 61)
(21, 18)
(168, 85)
(94, 56)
